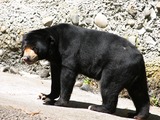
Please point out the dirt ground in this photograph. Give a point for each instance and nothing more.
(18, 101)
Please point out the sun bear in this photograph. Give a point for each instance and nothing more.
(106, 57)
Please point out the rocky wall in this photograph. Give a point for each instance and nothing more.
(138, 21)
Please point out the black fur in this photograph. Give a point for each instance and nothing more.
(106, 57)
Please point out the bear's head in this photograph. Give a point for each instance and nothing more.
(35, 45)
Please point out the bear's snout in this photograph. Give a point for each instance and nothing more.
(26, 58)
(29, 56)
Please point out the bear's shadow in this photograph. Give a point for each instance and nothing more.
(119, 112)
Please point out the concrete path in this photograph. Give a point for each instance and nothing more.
(18, 100)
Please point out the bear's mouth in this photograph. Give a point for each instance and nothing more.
(28, 60)
(29, 56)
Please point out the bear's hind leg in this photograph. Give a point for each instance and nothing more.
(110, 89)
(139, 94)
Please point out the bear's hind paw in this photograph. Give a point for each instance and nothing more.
(135, 116)
(100, 108)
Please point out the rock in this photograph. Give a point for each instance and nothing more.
(89, 21)
(47, 21)
(158, 7)
(132, 39)
(101, 20)
(82, 24)
(137, 44)
(147, 13)
(153, 14)
(131, 22)
(44, 62)
(1, 52)
(13, 36)
(85, 87)
(13, 70)
(3, 29)
(78, 83)
(159, 47)
(149, 29)
(132, 9)
(141, 31)
(139, 24)
(5, 69)
(75, 19)
(44, 74)
(149, 40)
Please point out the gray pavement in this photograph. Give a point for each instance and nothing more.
(18, 101)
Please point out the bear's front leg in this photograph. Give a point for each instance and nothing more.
(55, 85)
(67, 81)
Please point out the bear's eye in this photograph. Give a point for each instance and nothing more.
(35, 49)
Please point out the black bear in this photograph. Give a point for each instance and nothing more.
(106, 57)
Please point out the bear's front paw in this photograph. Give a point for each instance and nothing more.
(46, 99)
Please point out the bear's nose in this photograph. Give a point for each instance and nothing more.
(26, 58)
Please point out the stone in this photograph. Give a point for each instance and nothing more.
(132, 9)
(47, 21)
(153, 14)
(1, 52)
(139, 24)
(149, 40)
(89, 21)
(44, 74)
(141, 31)
(138, 43)
(13, 70)
(159, 47)
(44, 62)
(149, 29)
(82, 24)
(5, 69)
(75, 19)
(147, 13)
(101, 20)
(3, 29)
(85, 87)
(132, 39)
(131, 22)
(78, 83)
(13, 36)
(158, 7)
